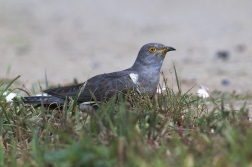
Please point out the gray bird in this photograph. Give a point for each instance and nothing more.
(142, 77)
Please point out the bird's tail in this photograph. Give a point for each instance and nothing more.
(46, 100)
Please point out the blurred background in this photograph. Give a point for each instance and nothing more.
(80, 39)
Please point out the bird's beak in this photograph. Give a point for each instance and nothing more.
(166, 49)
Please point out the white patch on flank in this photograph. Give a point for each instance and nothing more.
(86, 108)
(134, 78)
(160, 90)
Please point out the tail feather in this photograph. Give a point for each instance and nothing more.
(46, 100)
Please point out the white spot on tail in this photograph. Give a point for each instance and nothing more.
(42, 94)
(10, 96)
(134, 78)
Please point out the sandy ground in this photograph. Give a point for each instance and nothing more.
(79, 39)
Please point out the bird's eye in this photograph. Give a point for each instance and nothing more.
(152, 49)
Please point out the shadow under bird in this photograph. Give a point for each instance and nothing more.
(142, 77)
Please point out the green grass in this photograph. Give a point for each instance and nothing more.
(172, 129)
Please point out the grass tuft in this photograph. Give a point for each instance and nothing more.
(171, 129)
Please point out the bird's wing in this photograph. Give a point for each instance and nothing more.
(102, 86)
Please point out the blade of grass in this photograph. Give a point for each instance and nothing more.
(46, 81)
(177, 81)
(8, 86)
(74, 104)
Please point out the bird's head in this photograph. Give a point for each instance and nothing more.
(152, 54)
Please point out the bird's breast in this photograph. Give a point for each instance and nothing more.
(149, 81)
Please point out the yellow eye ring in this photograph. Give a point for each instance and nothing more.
(152, 49)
